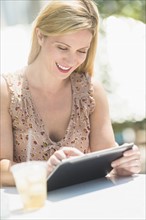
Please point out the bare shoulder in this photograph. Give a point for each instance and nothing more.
(100, 94)
(101, 114)
(5, 96)
(3, 84)
(98, 87)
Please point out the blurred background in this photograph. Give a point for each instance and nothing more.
(119, 64)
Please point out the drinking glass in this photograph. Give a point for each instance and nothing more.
(30, 178)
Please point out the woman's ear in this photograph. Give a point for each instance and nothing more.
(40, 36)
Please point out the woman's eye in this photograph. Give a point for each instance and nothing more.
(80, 51)
(62, 48)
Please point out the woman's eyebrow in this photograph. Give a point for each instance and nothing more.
(59, 42)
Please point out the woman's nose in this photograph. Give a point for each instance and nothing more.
(72, 59)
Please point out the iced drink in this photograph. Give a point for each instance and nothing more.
(30, 179)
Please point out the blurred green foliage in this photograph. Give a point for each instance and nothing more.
(137, 125)
(129, 8)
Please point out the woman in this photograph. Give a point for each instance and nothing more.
(53, 96)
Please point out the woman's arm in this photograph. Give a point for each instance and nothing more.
(6, 137)
(101, 135)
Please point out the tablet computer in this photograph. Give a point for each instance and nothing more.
(84, 168)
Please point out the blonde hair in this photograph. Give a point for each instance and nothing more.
(66, 16)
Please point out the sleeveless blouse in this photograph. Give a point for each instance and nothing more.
(24, 117)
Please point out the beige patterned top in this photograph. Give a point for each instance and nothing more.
(25, 116)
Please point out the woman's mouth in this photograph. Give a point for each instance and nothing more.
(63, 69)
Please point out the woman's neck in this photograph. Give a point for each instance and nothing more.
(39, 78)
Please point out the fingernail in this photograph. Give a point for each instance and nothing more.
(113, 164)
(125, 154)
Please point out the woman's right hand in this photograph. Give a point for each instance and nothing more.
(61, 154)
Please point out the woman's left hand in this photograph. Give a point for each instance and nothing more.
(129, 164)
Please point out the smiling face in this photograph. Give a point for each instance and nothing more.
(62, 54)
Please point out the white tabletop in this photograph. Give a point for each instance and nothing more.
(119, 199)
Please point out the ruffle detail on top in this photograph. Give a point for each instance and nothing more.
(83, 89)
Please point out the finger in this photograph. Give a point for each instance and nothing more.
(60, 155)
(127, 171)
(133, 151)
(69, 151)
(129, 168)
(54, 161)
(50, 169)
(131, 163)
(122, 172)
(124, 160)
(127, 156)
(134, 169)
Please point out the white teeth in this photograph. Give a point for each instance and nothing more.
(62, 67)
